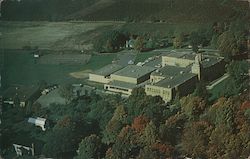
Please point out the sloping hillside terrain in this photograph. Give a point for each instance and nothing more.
(128, 10)
(166, 10)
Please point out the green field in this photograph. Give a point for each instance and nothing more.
(22, 68)
(45, 35)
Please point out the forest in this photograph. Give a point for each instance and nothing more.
(141, 126)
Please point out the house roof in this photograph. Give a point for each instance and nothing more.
(134, 71)
(37, 121)
(108, 69)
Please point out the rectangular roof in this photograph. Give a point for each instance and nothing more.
(210, 60)
(169, 71)
(134, 71)
(175, 81)
(108, 69)
(122, 84)
(180, 54)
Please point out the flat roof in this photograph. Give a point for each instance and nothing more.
(122, 84)
(108, 69)
(190, 56)
(210, 60)
(177, 53)
(134, 71)
(175, 81)
(168, 71)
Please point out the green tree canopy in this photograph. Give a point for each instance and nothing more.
(89, 147)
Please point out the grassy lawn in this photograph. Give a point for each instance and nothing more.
(15, 35)
(98, 61)
(21, 68)
(218, 89)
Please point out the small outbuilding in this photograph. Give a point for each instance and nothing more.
(38, 122)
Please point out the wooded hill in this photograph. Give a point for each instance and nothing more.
(128, 10)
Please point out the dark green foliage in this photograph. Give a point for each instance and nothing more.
(111, 41)
(227, 44)
(201, 90)
(238, 79)
(139, 127)
(50, 10)
(141, 104)
(89, 147)
(238, 70)
(195, 139)
(66, 92)
(66, 134)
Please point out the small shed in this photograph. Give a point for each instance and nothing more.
(38, 122)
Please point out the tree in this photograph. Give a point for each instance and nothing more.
(66, 92)
(59, 142)
(139, 123)
(178, 40)
(195, 139)
(150, 135)
(125, 146)
(201, 90)
(111, 41)
(227, 44)
(222, 113)
(192, 106)
(139, 43)
(114, 126)
(238, 79)
(238, 70)
(89, 147)
(195, 41)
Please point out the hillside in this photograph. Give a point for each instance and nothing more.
(170, 11)
(128, 10)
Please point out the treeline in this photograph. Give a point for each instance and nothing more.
(230, 38)
(50, 10)
(139, 127)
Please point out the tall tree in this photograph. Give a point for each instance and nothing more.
(195, 139)
(227, 44)
(90, 147)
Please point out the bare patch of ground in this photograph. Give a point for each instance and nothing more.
(81, 74)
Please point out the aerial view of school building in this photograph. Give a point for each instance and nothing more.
(177, 73)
